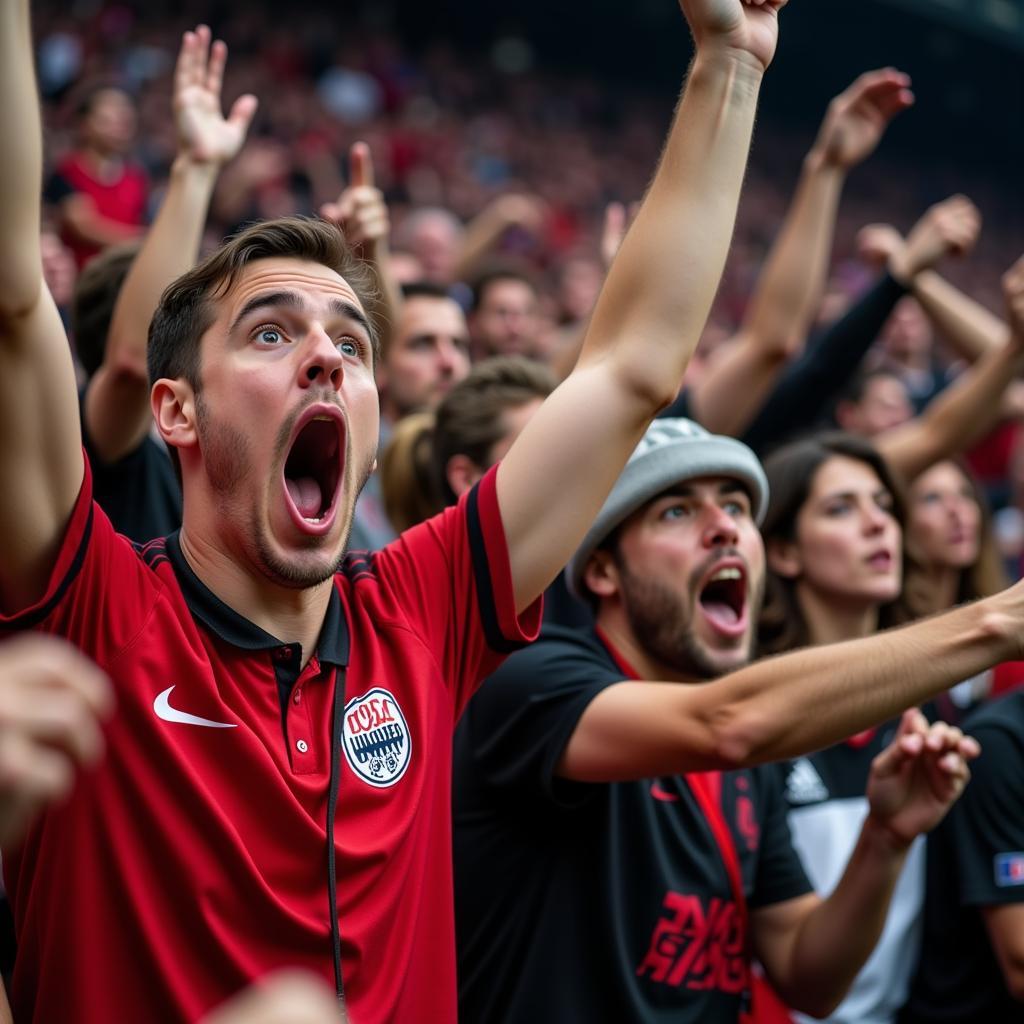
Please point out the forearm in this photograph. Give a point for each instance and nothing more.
(658, 293)
(21, 169)
(836, 938)
(964, 413)
(483, 233)
(967, 325)
(170, 248)
(809, 385)
(386, 305)
(733, 388)
(90, 226)
(786, 706)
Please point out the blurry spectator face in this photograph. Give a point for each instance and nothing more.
(435, 239)
(907, 336)
(945, 518)
(286, 420)
(883, 405)
(688, 569)
(847, 548)
(109, 122)
(506, 323)
(428, 355)
(59, 268)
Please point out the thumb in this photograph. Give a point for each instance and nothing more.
(242, 112)
(360, 164)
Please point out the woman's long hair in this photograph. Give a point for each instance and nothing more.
(791, 471)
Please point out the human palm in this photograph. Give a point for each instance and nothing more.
(744, 26)
(203, 131)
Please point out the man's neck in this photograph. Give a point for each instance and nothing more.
(290, 614)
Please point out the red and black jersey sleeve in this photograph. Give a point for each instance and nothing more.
(454, 581)
(99, 593)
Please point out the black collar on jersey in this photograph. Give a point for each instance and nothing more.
(235, 629)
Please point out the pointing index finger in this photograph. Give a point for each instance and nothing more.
(360, 165)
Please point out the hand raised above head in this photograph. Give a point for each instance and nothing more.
(947, 228)
(1013, 292)
(204, 133)
(360, 211)
(857, 118)
(747, 27)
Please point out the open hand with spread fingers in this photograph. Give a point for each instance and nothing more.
(360, 211)
(204, 134)
(749, 27)
(52, 700)
(919, 776)
(857, 118)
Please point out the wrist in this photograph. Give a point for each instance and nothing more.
(818, 162)
(882, 840)
(713, 59)
(902, 268)
(185, 166)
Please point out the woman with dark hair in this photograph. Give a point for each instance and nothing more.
(834, 541)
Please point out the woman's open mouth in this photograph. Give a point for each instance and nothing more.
(314, 468)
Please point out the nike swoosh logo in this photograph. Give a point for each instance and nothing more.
(163, 709)
(662, 794)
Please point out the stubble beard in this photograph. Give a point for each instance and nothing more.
(662, 622)
(227, 460)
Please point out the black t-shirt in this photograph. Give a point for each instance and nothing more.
(975, 860)
(610, 902)
(139, 493)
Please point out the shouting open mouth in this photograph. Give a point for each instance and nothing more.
(314, 469)
(722, 598)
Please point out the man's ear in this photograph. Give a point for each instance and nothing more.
(784, 558)
(174, 412)
(462, 472)
(601, 574)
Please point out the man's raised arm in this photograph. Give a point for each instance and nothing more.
(41, 463)
(117, 411)
(654, 303)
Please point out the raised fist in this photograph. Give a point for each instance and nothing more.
(857, 118)
(948, 228)
(741, 26)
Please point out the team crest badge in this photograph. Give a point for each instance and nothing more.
(375, 738)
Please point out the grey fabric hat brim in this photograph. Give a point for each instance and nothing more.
(645, 476)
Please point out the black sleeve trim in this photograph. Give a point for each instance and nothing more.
(32, 617)
(496, 640)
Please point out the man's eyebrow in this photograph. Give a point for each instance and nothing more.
(293, 300)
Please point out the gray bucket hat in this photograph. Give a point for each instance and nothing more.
(672, 450)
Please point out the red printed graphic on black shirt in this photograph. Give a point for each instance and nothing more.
(696, 944)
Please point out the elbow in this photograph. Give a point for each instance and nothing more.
(127, 369)
(741, 737)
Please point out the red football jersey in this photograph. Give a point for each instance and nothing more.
(194, 858)
(122, 201)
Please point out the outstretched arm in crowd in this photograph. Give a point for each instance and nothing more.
(653, 306)
(812, 948)
(117, 409)
(968, 409)
(808, 387)
(970, 328)
(362, 215)
(41, 463)
(736, 383)
(486, 230)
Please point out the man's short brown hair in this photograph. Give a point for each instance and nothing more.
(186, 312)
